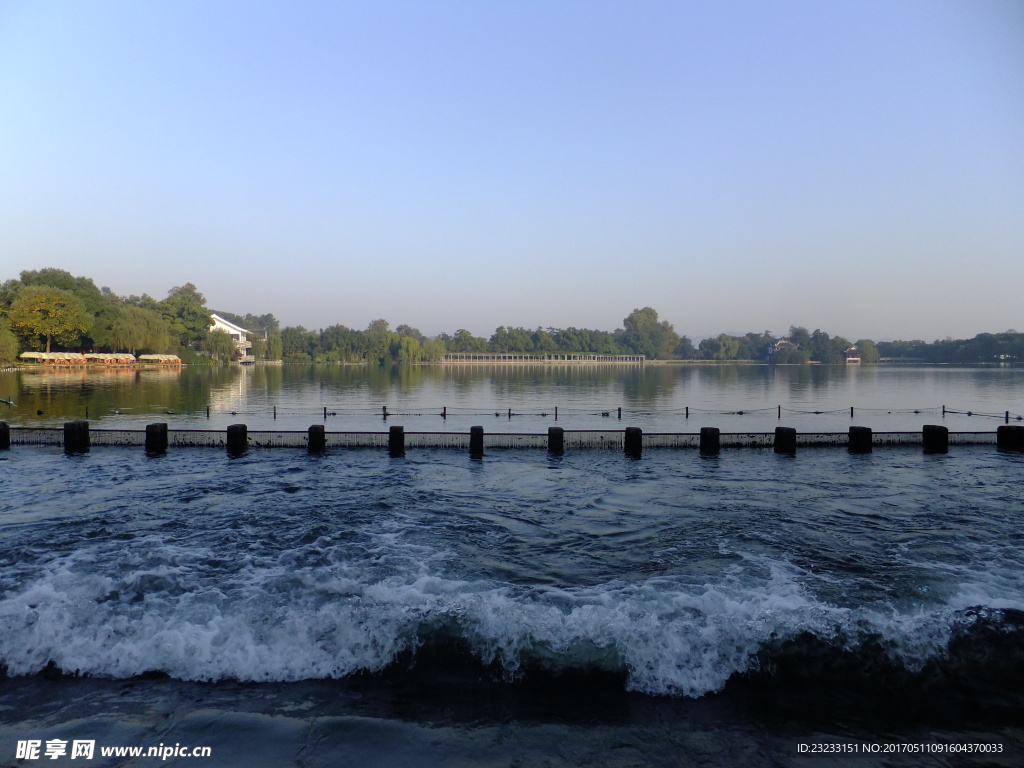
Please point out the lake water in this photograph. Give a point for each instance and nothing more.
(353, 609)
(655, 398)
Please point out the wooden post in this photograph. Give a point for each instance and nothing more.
(851, 411)
(317, 441)
(238, 439)
(325, 413)
(76, 436)
(556, 413)
(860, 440)
(207, 411)
(620, 413)
(384, 410)
(935, 438)
(633, 444)
(156, 439)
(5, 436)
(785, 440)
(780, 412)
(476, 442)
(510, 414)
(396, 442)
(1007, 419)
(275, 413)
(444, 412)
(687, 411)
(710, 441)
(1010, 438)
(556, 441)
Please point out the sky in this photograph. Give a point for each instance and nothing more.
(739, 166)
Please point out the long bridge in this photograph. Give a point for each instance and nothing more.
(511, 358)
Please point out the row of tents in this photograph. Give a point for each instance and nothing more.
(97, 358)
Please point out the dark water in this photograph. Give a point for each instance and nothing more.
(352, 609)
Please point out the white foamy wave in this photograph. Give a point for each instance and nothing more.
(668, 637)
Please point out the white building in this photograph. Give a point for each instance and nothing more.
(239, 334)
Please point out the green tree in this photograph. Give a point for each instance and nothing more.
(464, 341)
(101, 304)
(800, 336)
(378, 341)
(642, 334)
(511, 340)
(136, 329)
(275, 349)
(543, 342)
(684, 349)
(259, 346)
(219, 346)
(868, 351)
(186, 313)
(145, 301)
(409, 350)
(54, 314)
(755, 346)
(433, 350)
(408, 330)
(296, 341)
(790, 356)
(820, 346)
(8, 342)
(722, 347)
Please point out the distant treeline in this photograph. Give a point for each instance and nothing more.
(51, 309)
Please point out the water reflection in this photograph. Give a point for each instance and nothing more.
(653, 397)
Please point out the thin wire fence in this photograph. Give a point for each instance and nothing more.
(614, 412)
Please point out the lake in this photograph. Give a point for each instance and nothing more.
(349, 608)
(653, 397)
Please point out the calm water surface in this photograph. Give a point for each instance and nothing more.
(813, 398)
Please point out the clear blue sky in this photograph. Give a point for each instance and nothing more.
(739, 166)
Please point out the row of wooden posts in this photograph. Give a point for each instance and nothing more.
(935, 439)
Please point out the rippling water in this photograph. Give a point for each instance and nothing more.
(522, 607)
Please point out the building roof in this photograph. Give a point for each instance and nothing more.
(227, 324)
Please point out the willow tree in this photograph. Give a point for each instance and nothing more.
(219, 346)
(55, 314)
(136, 328)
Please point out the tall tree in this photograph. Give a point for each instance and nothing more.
(642, 334)
(684, 349)
(408, 330)
(102, 306)
(275, 349)
(47, 313)
(800, 336)
(186, 312)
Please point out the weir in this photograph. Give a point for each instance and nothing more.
(78, 437)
